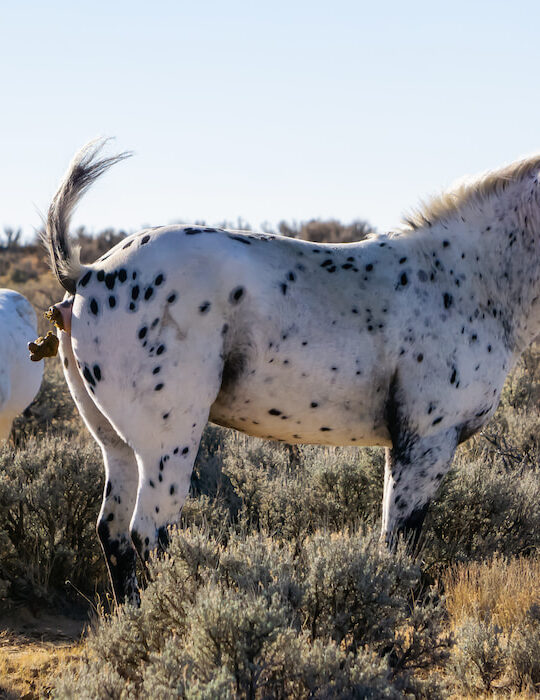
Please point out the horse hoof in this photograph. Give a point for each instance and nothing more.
(43, 347)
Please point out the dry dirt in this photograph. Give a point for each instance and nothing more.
(33, 647)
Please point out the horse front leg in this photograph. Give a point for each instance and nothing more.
(414, 468)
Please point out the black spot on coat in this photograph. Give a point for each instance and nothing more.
(110, 279)
(236, 295)
(84, 281)
(88, 376)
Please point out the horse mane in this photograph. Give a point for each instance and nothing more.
(469, 190)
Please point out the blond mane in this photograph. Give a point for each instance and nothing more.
(467, 191)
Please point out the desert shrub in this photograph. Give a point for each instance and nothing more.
(483, 510)
(522, 388)
(351, 595)
(330, 231)
(424, 641)
(96, 684)
(208, 476)
(50, 492)
(524, 653)
(494, 608)
(22, 273)
(234, 629)
(253, 618)
(512, 440)
(293, 494)
(348, 485)
(288, 667)
(480, 656)
(20, 265)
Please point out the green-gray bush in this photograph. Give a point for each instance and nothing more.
(524, 653)
(484, 510)
(261, 619)
(322, 487)
(49, 500)
(480, 655)
(486, 655)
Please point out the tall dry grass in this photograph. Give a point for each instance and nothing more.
(501, 590)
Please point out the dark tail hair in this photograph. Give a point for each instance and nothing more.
(83, 170)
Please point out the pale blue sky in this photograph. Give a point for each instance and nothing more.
(282, 110)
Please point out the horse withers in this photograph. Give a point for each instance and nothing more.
(402, 340)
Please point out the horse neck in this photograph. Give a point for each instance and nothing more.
(500, 241)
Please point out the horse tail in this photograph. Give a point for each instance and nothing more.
(83, 170)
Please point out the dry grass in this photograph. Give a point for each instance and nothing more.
(34, 648)
(501, 590)
(29, 670)
(508, 695)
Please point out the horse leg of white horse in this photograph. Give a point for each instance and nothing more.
(6, 419)
(165, 467)
(414, 468)
(5, 427)
(121, 478)
(158, 401)
(114, 519)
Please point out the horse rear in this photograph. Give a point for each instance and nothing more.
(19, 379)
(403, 340)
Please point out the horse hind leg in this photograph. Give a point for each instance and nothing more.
(414, 468)
(165, 467)
(120, 490)
(165, 431)
(113, 525)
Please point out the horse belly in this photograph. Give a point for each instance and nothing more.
(303, 408)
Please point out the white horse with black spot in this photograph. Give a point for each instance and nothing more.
(19, 379)
(402, 340)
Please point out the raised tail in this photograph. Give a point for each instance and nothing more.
(83, 170)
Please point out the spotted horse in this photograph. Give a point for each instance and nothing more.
(402, 340)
